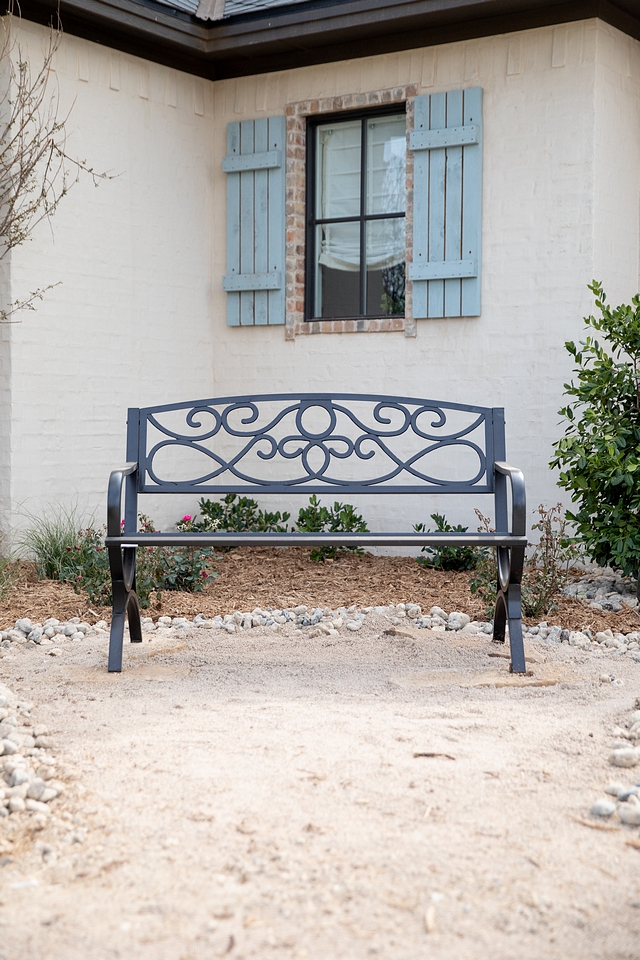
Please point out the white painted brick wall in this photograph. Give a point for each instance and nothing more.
(140, 316)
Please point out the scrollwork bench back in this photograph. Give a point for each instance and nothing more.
(333, 444)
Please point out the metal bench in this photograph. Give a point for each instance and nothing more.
(316, 443)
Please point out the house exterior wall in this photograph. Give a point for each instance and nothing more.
(140, 315)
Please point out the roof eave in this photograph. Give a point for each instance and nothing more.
(309, 34)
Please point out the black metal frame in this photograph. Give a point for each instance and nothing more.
(377, 431)
(310, 202)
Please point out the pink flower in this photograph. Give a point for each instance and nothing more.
(186, 518)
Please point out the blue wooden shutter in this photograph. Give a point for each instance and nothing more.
(255, 168)
(447, 211)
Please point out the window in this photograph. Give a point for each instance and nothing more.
(356, 216)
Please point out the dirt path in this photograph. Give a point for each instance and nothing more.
(258, 795)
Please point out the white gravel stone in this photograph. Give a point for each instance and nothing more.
(354, 624)
(439, 612)
(16, 805)
(624, 757)
(613, 789)
(462, 618)
(603, 808)
(627, 812)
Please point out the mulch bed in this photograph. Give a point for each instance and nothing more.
(271, 577)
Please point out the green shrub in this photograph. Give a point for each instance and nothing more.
(341, 518)
(83, 561)
(49, 539)
(599, 455)
(238, 514)
(446, 558)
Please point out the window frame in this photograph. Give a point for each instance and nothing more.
(312, 222)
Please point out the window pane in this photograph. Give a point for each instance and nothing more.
(385, 267)
(386, 161)
(338, 169)
(337, 280)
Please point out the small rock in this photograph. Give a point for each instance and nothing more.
(17, 805)
(439, 612)
(605, 678)
(624, 757)
(354, 624)
(626, 812)
(44, 741)
(603, 808)
(614, 789)
(55, 652)
(462, 618)
(37, 807)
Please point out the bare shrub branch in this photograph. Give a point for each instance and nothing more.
(36, 172)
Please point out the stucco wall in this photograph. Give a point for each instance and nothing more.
(140, 315)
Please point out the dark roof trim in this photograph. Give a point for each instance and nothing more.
(317, 31)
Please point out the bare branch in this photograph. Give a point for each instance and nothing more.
(36, 171)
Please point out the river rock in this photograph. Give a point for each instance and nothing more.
(603, 808)
(628, 813)
(624, 757)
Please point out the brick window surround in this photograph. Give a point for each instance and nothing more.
(296, 114)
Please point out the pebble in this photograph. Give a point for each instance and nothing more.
(354, 624)
(614, 789)
(627, 813)
(624, 757)
(603, 808)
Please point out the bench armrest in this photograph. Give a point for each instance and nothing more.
(518, 497)
(117, 480)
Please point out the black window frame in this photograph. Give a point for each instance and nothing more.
(381, 110)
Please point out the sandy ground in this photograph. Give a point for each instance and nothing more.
(262, 794)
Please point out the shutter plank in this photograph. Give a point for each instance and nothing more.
(453, 210)
(247, 207)
(233, 224)
(437, 121)
(420, 253)
(261, 214)
(472, 205)
(277, 221)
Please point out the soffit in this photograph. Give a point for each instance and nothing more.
(254, 38)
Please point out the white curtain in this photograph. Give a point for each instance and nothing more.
(339, 182)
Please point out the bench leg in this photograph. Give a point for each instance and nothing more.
(509, 605)
(122, 561)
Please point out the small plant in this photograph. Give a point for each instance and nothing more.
(79, 557)
(547, 568)
(341, 518)
(238, 514)
(484, 579)
(446, 558)
(49, 539)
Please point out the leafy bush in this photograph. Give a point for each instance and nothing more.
(341, 518)
(239, 515)
(599, 455)
(446, 558)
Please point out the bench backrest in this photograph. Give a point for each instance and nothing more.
(315, 443)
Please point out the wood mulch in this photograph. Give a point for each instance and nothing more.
(270, 577)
